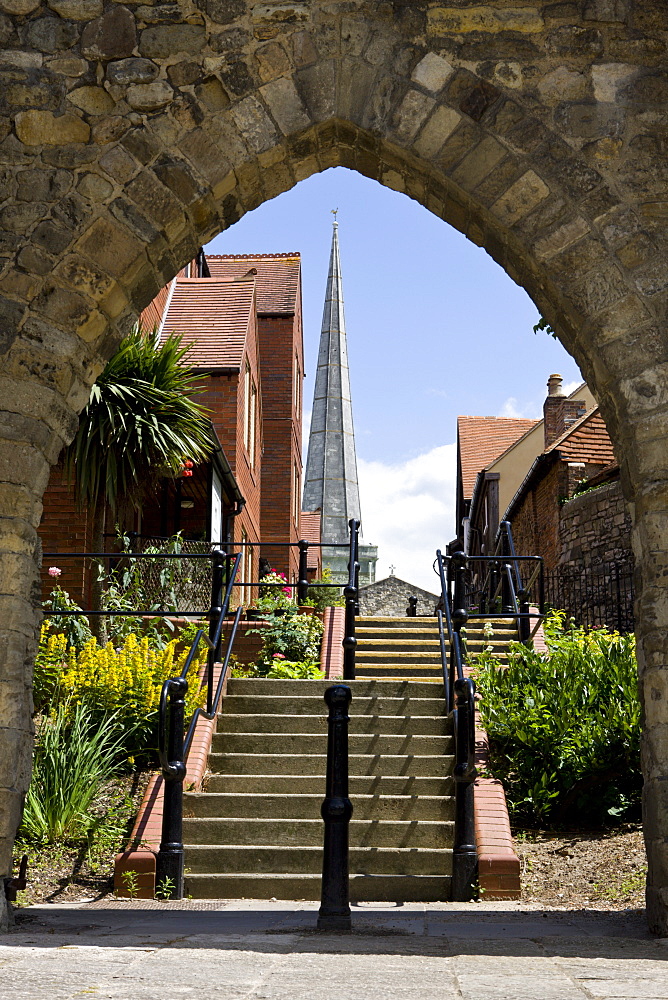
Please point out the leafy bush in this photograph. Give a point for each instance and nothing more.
(564, 727)
(126, 681)
(289, 636)
(324, 597)
(299, 671)
(73, 758)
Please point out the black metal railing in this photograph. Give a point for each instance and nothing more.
(494, 584)
(460, 706)
(351, 594)
(173, 747)
(598, 596)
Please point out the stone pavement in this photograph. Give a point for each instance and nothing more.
(229, 950)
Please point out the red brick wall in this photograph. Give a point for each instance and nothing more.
(65, 528)
(536, 522)
(280, 339)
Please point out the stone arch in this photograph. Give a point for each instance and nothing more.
(130, 135)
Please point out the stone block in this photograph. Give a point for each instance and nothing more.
(436, 131)
(42, 128)
(170, 39)
(432, 72)
(77, 10)
(254, 124)
(272, 61)
(68, 67)
(112, 36)
(563, 84)
(149, 96)
(92, 100)
(109, 246)
(271, 19)
(479, 163)
(285, 104)
(561, 238)
(135, 70)
(50, 34)
(456, 20)
(317, 87)
(412, 114)
(520, 198)
(607, 79)
(19, 7)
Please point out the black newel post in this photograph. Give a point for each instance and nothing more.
(411, 610)
(459, 566)
(464, 855)
(525, 622)
(169, 862)
(336, 810)
(506, 590)
(218, 560)
(302, 582)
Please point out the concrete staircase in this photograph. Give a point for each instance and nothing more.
(256, 831)
(409, 648)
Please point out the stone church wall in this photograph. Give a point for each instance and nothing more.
(388, 598)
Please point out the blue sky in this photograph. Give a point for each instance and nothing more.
(435, 329)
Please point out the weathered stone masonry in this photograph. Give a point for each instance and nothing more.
(132, 133)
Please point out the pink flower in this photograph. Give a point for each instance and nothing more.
(54, 571)
(278, 656)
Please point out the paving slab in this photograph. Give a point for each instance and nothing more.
(269, 950)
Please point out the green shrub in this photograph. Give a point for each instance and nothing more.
(289, 636)
(72, 760)
(564, 727)
(324, 597)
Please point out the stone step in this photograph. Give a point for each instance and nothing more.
(366, 688)
(428, 766)
(414, 725)
(383, 655)
(308, 784)
(265, 860)
(363, 888)
(426, 671)
(309, 832)
(314, 705)
(316, 743)
(238, 805)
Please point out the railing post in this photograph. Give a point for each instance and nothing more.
(336, 810)
(350, 593)
(411, 610)
(464, 854)
(459, 563)
(506, 594)
(493, 584)
(302, 582)
(218, 559)
(524, 622)
(169, 861)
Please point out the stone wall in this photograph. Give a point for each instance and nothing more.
(131, 134)
(389, 598)
(595, 527)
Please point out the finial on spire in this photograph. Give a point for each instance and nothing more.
(334, 212)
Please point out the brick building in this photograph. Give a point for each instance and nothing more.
(242, 317)
(528, 479)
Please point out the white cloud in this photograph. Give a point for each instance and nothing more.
(408, 511)
(570, 387)
(511, 408)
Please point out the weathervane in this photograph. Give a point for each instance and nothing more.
(334, 212)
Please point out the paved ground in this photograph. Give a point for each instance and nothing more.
(233, 950)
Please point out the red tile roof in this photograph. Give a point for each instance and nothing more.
(482, 439)
(586, 440)
(214, 316)
(278, 277)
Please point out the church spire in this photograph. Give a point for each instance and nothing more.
(331, 465)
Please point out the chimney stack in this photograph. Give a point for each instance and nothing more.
(559, 412)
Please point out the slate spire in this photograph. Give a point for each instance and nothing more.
(331, 465)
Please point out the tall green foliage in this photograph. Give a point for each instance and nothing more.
(140, 423)
(564, 727)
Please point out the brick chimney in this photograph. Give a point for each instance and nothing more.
(559, 412)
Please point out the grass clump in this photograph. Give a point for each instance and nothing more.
(564, 727)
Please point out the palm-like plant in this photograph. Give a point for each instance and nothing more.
(140, 424)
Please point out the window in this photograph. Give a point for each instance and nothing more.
(250, 414)
(296, 497)
(298, 384)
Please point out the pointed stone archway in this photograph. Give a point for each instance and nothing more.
(131, 134)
